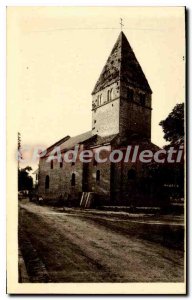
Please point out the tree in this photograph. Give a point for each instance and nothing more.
(167, 178)
(173, 126)
(172, 175)
(25, 181)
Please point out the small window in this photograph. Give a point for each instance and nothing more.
(100, 102)
(98, 176)
(73, 163)
(47, 182)
(73, 179)
(97, 101)
(95, 121)
(109, 95)
(131, 174)
(61, 164)
(130, 95)
(51, 164)
(142, 99)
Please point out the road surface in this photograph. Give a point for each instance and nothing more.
(76, 246)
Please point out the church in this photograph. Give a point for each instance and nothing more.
(121, 116)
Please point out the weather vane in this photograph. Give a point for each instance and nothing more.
(121, 23)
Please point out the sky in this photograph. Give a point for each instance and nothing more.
(56, 54)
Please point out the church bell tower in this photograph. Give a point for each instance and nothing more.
(121, 98)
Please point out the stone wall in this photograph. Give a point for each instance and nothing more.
(116, 185)
(120, 114)
(60, 179)
(100, 187)
(135, 117)
(105, 114)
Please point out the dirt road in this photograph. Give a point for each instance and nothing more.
(74, 247)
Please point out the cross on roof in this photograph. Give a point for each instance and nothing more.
(121, 23)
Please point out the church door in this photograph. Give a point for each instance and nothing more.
(85, 178)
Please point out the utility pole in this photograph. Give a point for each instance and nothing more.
(19, 156)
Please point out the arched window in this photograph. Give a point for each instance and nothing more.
(47, 182)
(98, 176)
(100, 102)
(61, 164)
(131, 174)
(51, 164)
(108, 95)
(73, 179)
(98, 99)
(111, 94)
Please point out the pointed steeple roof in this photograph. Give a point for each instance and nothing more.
(122, 64)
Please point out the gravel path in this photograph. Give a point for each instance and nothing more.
(73, 248)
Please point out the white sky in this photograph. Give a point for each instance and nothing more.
(56, 54)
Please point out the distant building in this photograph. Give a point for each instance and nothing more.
(121, 116)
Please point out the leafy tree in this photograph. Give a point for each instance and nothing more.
(173, 126)
(168, 178)
(171, 176)
(25, 181)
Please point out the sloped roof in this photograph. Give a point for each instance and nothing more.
(76, 140)
(58, 143)
(71, 142)
(102, 140)
(122, 64)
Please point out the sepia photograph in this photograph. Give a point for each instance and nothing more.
(96, 150)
